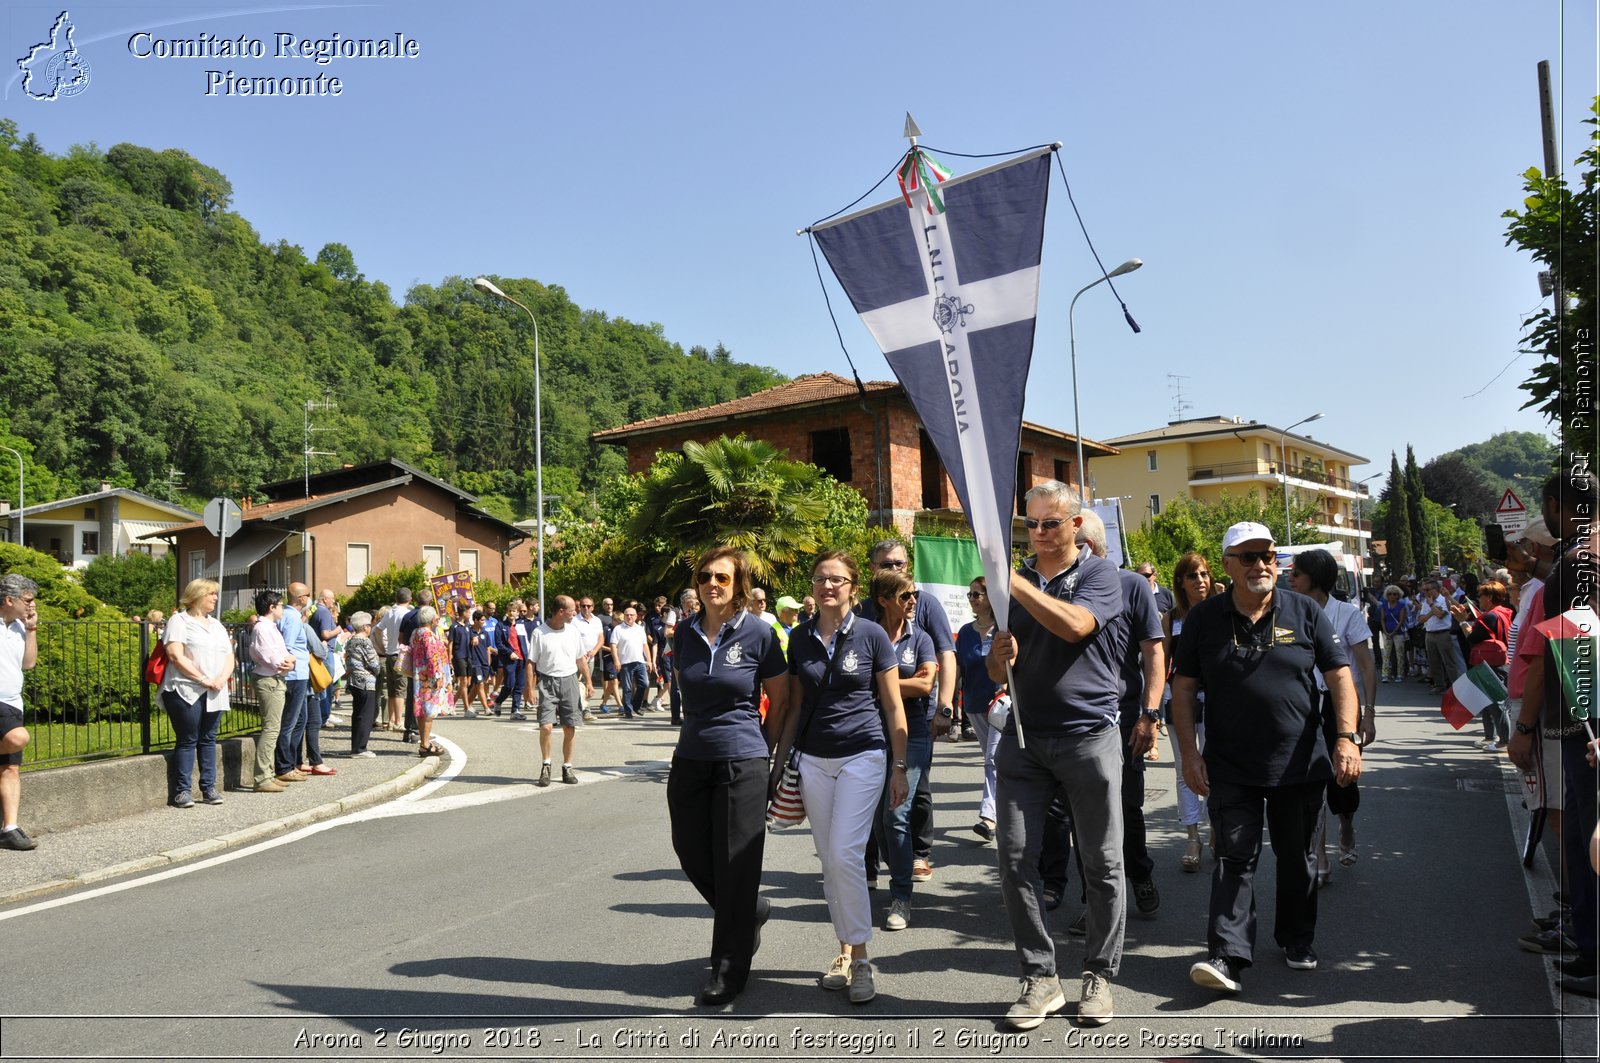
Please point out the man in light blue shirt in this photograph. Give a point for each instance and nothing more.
(296, 683)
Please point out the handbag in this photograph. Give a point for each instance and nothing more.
(787, 807)
(320, 679)
(155, 665)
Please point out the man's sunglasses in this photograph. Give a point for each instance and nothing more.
(1048, 524)
(1250, 557)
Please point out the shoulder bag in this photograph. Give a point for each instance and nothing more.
(787, 808)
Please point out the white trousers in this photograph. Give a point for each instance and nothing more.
(841, 797)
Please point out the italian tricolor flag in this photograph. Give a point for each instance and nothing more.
(1471, 694)
(1573, 643)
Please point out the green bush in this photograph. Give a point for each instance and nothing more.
(61, 597)
(134, 583)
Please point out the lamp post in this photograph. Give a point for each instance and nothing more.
(1072, 338)
(21, 505)
(1283, 462)
(487, 287)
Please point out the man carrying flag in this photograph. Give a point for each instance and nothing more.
(1559, 699)
(1064, 667)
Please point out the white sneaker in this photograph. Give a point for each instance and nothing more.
(333, 720)
(899, 916)
(837, 975)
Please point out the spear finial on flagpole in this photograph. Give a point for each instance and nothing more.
(911, 131)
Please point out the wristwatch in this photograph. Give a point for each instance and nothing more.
(1523, 729)
(946, 711)
(1149, 714)
(900, 764)
(1353, 736)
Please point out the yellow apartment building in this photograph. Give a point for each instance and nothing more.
(1204, 457)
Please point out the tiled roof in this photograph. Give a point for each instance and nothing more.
(802, 391)
(289, 507)
(1221, 426)
(814, 389)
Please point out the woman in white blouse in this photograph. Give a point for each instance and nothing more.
(195, 689)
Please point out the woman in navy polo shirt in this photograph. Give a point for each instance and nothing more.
(896, 598)
(845, 717)
(717, 791)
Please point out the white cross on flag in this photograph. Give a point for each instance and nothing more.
(951, 299)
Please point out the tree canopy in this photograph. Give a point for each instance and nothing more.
(1559, 225)
(150, 337)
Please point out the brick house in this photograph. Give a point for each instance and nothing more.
(354, 520)
(869, 438)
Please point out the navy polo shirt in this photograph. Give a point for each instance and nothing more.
(1263, 710)
(845, 719)
(1068, 688)
(1140, 621)
(913, 650)
(972, 651)
(721, 685)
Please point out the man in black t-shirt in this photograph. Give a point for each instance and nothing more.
(1256, 650)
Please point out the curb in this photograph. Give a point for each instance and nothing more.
(405, 782)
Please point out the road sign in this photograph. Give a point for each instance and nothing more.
(222, 517)
(1511, 514)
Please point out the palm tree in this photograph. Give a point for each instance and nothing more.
(735, 492)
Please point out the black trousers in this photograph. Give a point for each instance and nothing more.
(718, 810)
(363, 713)
(1136, 862)
(1290, 815)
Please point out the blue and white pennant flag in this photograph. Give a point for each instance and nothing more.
(951, 299)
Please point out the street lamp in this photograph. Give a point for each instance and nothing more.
(21, 505)
(487, 287)
(1072, 337)
(1283, 460)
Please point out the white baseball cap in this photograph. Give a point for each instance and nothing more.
(1243, 532)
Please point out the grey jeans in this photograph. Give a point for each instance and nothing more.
(270, 691)
(1088, 768)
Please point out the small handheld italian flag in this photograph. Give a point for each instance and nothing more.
(1471, 694)
(1574, 639)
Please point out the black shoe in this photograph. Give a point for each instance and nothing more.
(1576, 967)
(1146, 897)
(568, 775)
(1300, 957)
(1052, 899)
(544, 774)
(1218, 972)
(1584, 987)
(763, 913)
(718, 990)
(15, 839)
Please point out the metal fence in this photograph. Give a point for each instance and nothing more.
(86, 698)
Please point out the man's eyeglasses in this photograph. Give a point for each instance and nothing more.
(1048, 524)
(721, 579)
(1248, 558)
(832, 581)
(891, 564)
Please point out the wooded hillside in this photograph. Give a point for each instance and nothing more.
(149, 337)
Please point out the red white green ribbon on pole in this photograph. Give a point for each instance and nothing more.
(921, 172)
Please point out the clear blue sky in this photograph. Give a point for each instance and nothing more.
(1315, 190)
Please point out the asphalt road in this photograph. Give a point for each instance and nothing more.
(480, 917)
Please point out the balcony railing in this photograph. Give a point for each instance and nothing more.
(1269, 470)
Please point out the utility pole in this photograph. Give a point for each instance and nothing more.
(327, 403)
(1552, 170)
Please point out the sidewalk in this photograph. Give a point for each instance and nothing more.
(159, 838)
